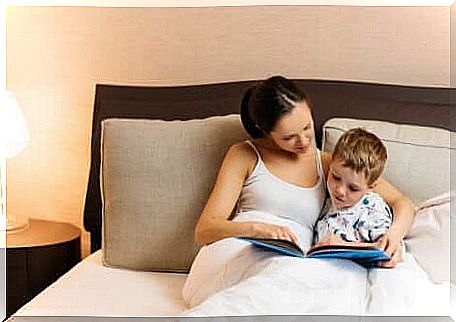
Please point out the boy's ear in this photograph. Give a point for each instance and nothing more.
(372, 185)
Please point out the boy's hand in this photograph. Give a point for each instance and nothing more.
(331, 240)
(391, 244)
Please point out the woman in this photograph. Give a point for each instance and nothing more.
(275, 187)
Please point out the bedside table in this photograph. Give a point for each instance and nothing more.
(36, 257)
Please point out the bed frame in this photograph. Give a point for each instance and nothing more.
(426, 106)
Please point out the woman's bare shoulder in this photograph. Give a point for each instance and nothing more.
(242, 149)
(242, 154)
(326, 159)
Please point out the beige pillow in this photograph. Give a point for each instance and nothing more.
(418, 157)
(156, 177)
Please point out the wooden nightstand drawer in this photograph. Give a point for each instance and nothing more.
(17, 285)
(37, 257)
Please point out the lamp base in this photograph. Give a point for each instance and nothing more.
(13, 223)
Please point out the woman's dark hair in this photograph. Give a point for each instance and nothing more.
(264, 104)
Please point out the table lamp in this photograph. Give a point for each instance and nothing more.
(13, 139)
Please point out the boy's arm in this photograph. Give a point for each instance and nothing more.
(335, 240)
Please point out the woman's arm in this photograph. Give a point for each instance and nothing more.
(403, 215)
(213, 223)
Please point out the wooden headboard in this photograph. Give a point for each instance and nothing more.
(426, 106)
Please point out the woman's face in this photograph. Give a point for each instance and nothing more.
(294, 131)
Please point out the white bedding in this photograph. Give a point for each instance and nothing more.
(91, 289)
(254, 282)
(281, 285)
(232, 277)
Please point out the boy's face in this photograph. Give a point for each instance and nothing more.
(345, 186)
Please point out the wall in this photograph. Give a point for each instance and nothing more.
(56, 55)
(453, 156)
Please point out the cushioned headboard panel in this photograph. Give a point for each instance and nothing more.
(400, 104)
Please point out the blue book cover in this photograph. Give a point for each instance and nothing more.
(363, 255)
(279, 245)
(367, 256)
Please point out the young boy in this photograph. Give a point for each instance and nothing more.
(354, 213)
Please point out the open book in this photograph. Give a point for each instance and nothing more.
(367, 256)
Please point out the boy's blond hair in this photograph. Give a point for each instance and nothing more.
(361, 151)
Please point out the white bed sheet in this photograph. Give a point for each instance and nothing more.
(91, 289)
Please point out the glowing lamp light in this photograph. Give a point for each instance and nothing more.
(14, 137)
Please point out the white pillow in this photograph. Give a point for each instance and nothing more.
(429, 238)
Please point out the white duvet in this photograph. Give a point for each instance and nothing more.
(232, 277)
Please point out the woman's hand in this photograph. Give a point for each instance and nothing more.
(391, 244)
(404, 212)
(265, 230)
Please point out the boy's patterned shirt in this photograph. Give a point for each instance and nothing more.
(365, 221)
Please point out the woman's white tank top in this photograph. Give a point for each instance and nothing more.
(262, 191)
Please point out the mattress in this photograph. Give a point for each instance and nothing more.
(91, 289)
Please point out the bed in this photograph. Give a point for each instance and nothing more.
(116, 280)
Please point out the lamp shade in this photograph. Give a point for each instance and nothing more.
(14, 134)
